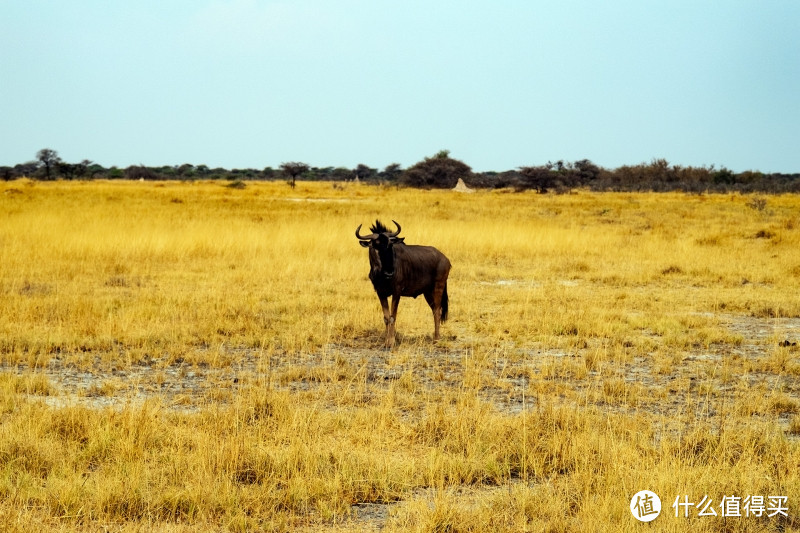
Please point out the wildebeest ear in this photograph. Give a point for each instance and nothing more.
(365, 244)
(399, 240)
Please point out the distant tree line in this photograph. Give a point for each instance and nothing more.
(437, 172)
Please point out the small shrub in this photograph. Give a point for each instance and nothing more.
(757, 203)
(672, 269)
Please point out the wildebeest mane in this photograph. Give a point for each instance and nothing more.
(378, 227)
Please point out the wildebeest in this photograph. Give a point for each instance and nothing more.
(398, 269)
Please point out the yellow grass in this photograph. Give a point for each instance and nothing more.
(191, 356)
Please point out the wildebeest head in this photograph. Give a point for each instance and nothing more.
(380, 242)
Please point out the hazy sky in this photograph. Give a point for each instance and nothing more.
(501, 84)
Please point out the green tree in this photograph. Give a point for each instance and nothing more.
(364, 173)
(140, 172)
(538, 178)
(392, 172)
(49, 159)
(341, 174)
(586, 171)
(67, 170)
(82, 168)
(437, 172)
(268, 173)
(185, 171)
(293, 169)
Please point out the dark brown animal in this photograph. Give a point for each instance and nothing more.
(398, 269)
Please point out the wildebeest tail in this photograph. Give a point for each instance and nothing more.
(444, 303)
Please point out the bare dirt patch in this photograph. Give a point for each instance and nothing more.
(765, 357)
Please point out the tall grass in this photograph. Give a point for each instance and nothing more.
(599, 344)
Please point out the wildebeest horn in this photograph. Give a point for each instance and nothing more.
(396, 233)
(363, 237)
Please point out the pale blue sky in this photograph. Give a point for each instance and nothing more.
(501, 84)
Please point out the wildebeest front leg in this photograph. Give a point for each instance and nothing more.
(390, 328)
(388, 319)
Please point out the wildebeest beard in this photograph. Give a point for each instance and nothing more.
(382, 278)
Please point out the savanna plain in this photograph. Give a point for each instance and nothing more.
(208, 356)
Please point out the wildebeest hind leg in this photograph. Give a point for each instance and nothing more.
(436, 307)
